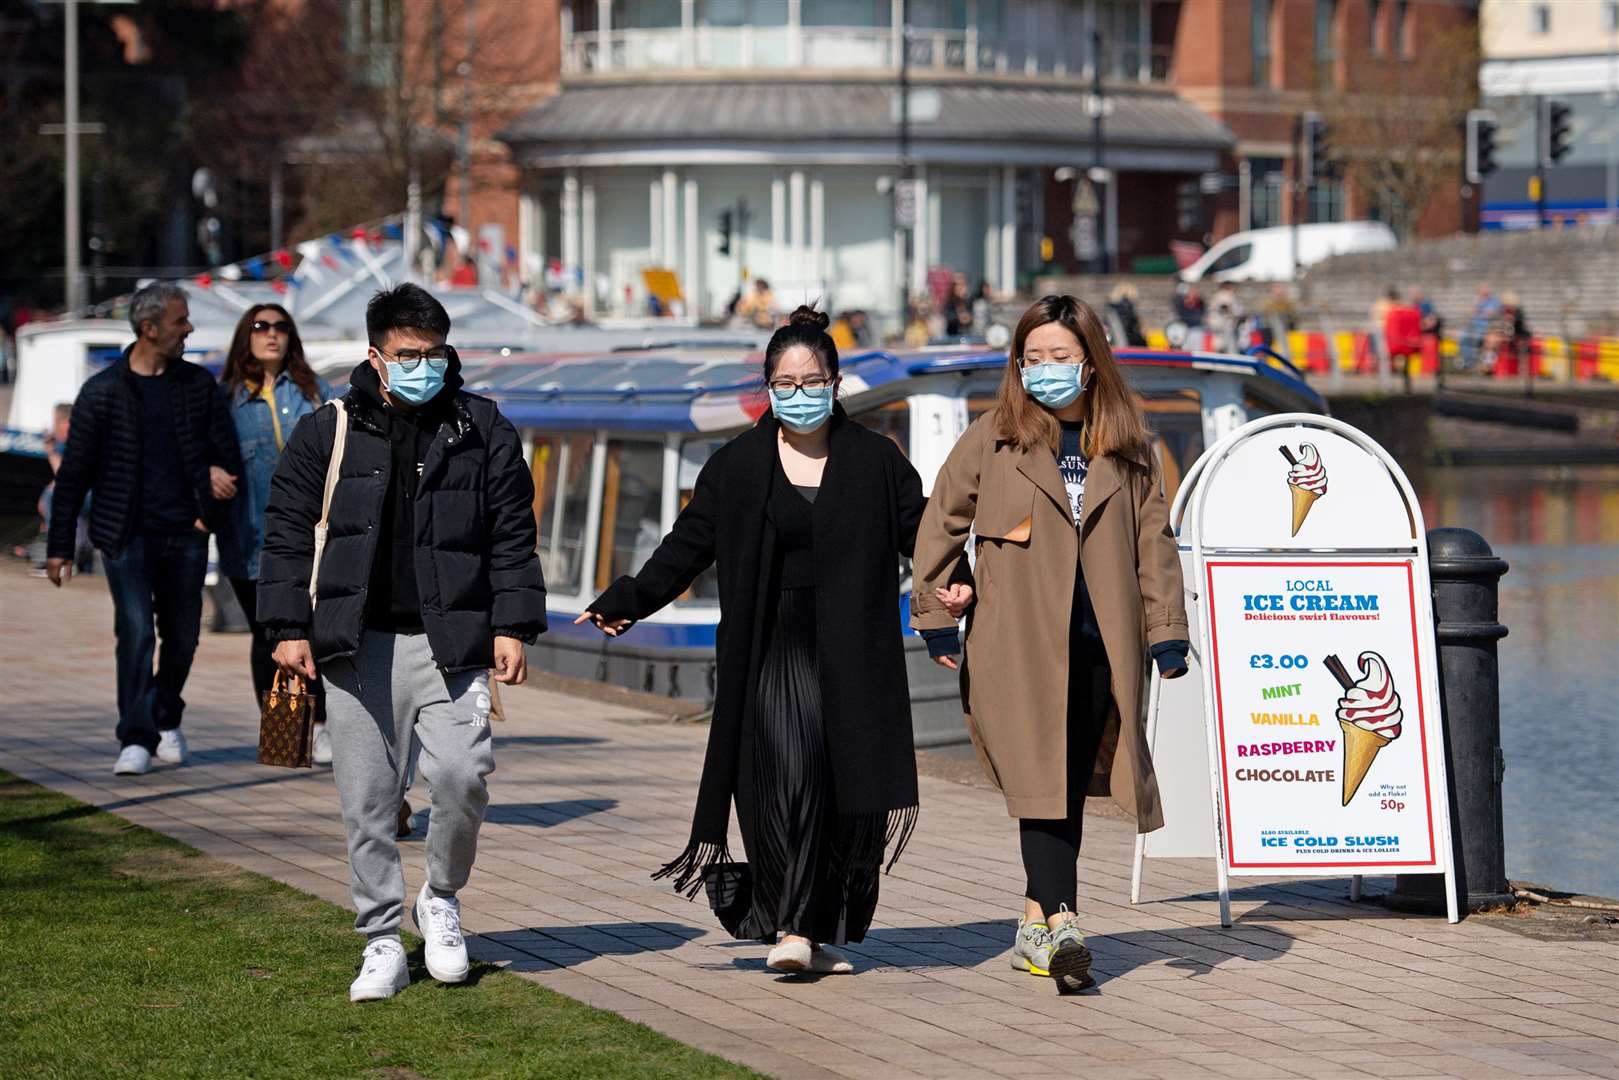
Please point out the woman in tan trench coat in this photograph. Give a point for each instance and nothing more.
(1076, 579)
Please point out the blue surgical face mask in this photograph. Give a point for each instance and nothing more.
(417, 386)
(800, 412)
(1054, 385)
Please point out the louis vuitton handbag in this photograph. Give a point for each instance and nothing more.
(287, 724)
(287, 713)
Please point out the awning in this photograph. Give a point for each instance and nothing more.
(676, 122)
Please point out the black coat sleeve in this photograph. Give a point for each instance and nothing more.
(289, 529)
(687, 551)
(77, 472)
(908, 500)
(514, 563)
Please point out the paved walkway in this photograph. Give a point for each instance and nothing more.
(586, 802)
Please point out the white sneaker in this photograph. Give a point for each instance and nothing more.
(790, 956)
(322, 754)
(825, 960)
(133, 761)
(171, 747)
(382, 971)
(439, 922)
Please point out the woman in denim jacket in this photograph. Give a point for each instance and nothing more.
(269, 387)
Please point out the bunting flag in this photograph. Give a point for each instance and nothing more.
(279, 285)
(393, 231)
(205, 281)
(231, 273)
(283, 259)
(255, 268)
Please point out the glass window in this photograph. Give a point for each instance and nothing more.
(561, 469)
(1327, 200)
(1326, 26)
(1176, 420)
(694, 454)
(1542, 18)
(1231, 259)
(632, 509)
(1261, 16)
(868, 13)
(647, 14)
(893, 420)
(1374, 15)
(1610, 16)
(1402, 32)
(1267, 180)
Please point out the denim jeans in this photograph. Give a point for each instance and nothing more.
(155, 578)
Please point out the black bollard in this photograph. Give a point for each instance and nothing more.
(1466, 579)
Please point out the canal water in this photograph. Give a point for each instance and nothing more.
(1559, 531)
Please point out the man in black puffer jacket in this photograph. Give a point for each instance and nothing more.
(428, 579)
(152, 441)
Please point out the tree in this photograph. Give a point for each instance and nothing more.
(1399, 134)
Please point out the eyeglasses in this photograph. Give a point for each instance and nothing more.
(815, 387)
(438, 358)
(262, 326)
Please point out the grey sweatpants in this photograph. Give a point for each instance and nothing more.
(389, 694)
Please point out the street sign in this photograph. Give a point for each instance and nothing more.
(905, 198)
(1306, 562)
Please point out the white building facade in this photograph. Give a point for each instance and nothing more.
(782, 117)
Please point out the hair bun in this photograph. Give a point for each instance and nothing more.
(805, 315)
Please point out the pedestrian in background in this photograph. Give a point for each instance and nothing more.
(151, 441)
(269, 387)
(804, 517)
(1078, 579)
(429, 578)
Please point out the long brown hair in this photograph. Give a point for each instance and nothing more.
(242, 368)
(1114, 420)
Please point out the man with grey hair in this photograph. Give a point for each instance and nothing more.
(151, 440)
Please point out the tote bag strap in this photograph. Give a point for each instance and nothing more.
(334, 468)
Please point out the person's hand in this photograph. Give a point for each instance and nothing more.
(223, 483)
(511, 662)
(294, 658)
(58, 570)
(1175, 674)
(956, 599)
(610, 627)
(947, 662)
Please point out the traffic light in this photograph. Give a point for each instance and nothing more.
(1480, 145)
(1559, 130)
(1315, 147)
(725, 231)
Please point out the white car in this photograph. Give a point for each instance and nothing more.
(1268, 254)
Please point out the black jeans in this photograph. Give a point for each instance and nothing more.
(258, 656)
(155, 577)
(1051, 846)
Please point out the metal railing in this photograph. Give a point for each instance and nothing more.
(846, 48)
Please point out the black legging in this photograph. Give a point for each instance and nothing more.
(1051, 846)
(258, 656)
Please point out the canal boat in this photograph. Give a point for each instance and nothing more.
(616, 441)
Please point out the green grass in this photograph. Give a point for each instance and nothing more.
(124, 953)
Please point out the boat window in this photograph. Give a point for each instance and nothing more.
(893, 420)
(694, 454)
(1176, 419)
(632, 509)
(561, 467)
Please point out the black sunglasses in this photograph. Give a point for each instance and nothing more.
(261, 326)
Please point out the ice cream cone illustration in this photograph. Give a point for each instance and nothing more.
(1306, 481)
(1369, 714)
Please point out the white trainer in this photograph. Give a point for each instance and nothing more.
(439, 922)
(322, 753)
(825, 960)
(133, 761)
(382, 971)
(171, 747)
(790, 956)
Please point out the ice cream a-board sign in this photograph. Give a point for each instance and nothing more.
(1306, 554)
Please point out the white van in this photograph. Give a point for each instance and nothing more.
(1267, 254)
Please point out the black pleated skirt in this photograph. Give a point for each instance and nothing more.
(814, 872)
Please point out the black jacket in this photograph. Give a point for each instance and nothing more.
(864, 519)
(476, 569)
(103, 454)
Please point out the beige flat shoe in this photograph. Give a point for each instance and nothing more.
(790, 956)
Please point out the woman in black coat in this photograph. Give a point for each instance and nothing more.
(805, 518)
